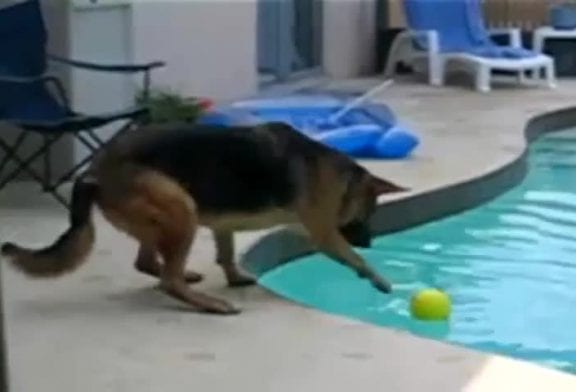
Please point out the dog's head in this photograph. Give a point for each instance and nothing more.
(359, 202)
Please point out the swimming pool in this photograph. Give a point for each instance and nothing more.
(509, 265)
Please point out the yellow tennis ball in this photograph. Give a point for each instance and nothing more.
(431, 305)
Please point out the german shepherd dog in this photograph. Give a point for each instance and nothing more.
(160, 183)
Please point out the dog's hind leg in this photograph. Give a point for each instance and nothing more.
(159, 213)
(174, 244)
(148, 262)
(225, 259)
(177, 223)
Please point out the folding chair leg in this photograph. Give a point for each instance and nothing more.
(10, 151)
(70, 174)
(96, 139)
(47, 165)
(45, 178)
(92, 144)
(24, 166)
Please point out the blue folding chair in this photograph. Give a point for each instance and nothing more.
(36, 103)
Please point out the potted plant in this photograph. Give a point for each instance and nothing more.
(167, 106)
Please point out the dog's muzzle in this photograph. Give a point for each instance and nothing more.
(357, 234)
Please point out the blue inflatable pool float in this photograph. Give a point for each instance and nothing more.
(368, 131)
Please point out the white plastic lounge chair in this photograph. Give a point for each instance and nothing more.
(453, 32)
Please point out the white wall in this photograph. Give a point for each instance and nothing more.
(100, 33)
(349, 37)
(209, 45)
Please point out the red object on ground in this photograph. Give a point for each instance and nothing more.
(206, 103)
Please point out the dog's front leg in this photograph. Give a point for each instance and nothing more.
(332, 243)
(225, 259)
(335, 246)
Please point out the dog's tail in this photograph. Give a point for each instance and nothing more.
(71, 249)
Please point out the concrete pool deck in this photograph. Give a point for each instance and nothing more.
(106, 327)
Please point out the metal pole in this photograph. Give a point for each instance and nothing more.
(3, 348)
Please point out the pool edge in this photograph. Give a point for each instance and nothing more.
(279, 246)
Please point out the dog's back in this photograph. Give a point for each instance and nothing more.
(225, 169)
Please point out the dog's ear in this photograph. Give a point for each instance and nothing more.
(381, 186)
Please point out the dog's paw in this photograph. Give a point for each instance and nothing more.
(9, 249)
(220, 307)
(193, 277)
(241, 281)
(237, 278)
(379, 283)
(382, 285)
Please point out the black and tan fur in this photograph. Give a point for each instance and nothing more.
(160, 184)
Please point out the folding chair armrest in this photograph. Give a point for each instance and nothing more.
(23, 79)
(116, 68)
(44, 79)
(514, 35)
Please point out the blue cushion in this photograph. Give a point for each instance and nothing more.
(352, 139)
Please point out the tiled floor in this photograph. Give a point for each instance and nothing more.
(106, 327)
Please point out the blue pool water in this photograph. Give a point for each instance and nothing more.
(509, 266)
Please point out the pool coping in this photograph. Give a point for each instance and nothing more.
(282, 245)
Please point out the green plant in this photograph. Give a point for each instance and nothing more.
(166, 106)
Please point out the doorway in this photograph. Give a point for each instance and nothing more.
(289, 39)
